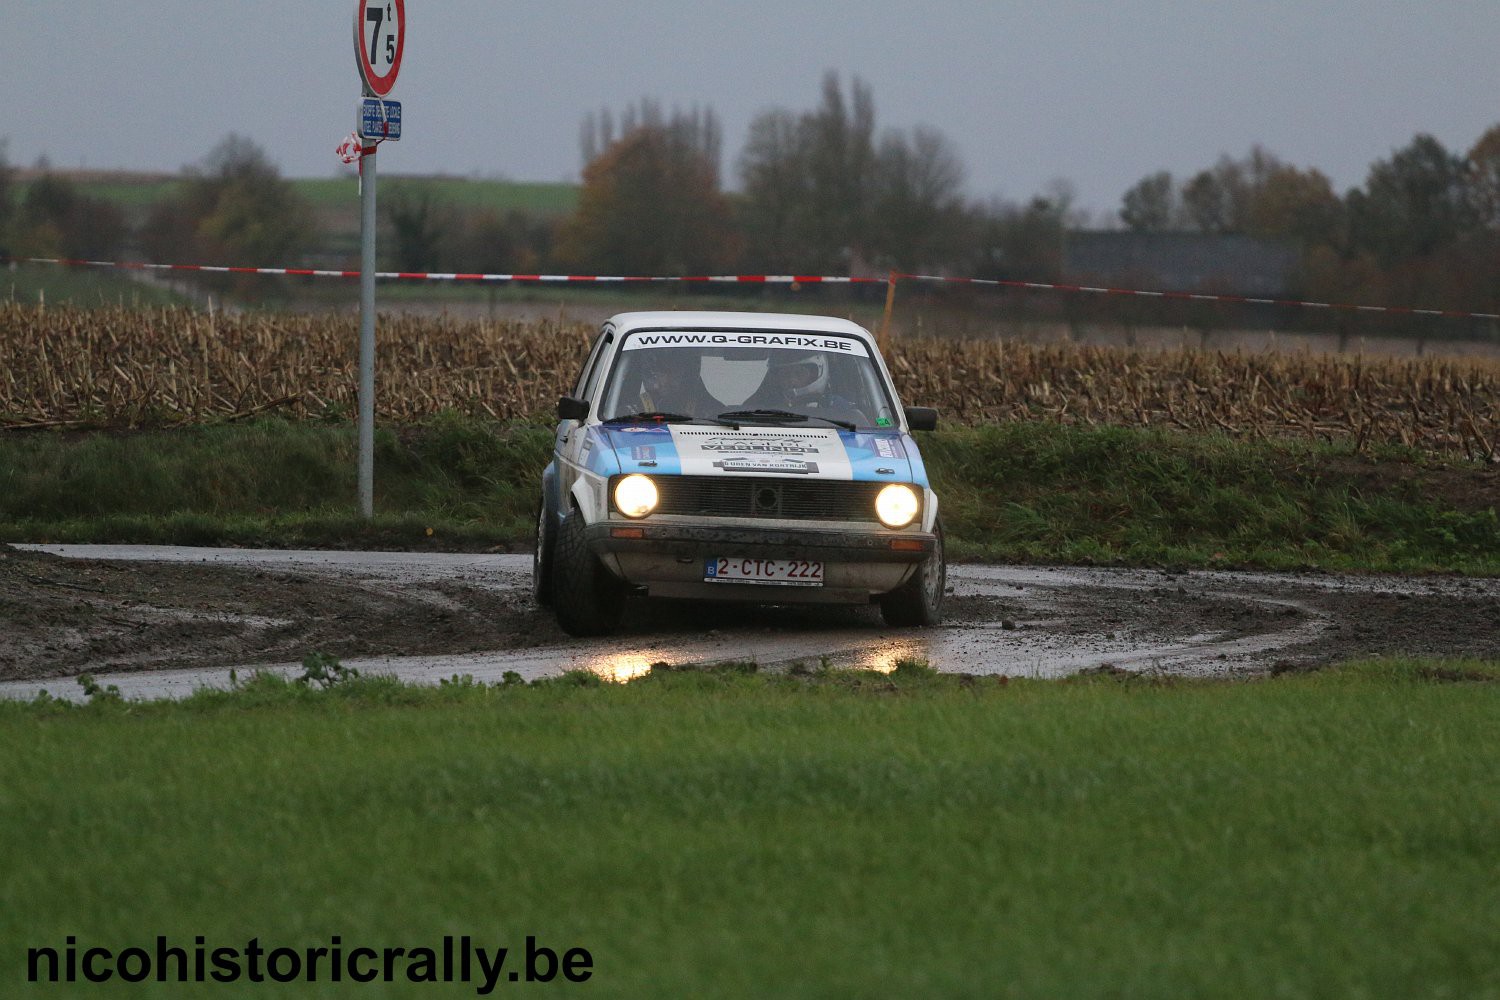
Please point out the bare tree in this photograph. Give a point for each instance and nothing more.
(918, 201)
(418, 225)
(1151, 205)
(651, 202)
(697, 129)
(820, 194)
(1483, 168)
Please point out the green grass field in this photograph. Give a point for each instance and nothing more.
(460, 192)
(1031, 492)
(137, 194)
(81, 287)
(724, 834)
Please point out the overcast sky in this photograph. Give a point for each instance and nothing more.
(1097, 93)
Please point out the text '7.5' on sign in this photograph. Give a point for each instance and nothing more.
(379, 39)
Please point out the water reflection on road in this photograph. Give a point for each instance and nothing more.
(1016, 621)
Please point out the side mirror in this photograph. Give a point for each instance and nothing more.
(921, 418)
(570, 408)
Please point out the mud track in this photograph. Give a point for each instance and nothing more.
(165, 620)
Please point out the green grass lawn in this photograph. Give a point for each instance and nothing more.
(726, 834)
(1032, 492)
(83, 287)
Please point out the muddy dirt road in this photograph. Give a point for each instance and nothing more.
(161, 621)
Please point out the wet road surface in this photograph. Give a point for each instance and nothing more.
(1018, 621)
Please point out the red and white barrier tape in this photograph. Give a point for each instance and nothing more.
(1043, 286)
(763, 279)
(350, 149)
(304, 272)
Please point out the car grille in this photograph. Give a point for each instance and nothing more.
(730, 496)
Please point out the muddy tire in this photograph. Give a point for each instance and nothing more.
(919, 601)
(541, 559)
(586, 597)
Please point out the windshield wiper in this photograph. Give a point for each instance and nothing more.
(776, 416)
(847, 425)
(762, 415)
(663, 417)
(651, 416)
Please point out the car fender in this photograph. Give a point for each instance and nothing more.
(584, 466)
(588, 497)
(929, 509)
(551, 496)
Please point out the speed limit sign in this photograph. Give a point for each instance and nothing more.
(379, 37)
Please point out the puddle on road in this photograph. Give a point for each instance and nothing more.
(1056, 623)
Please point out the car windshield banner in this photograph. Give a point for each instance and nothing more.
(831, 343)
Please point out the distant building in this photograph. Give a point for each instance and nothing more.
(1181, 262)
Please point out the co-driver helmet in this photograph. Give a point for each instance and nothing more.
(812, 367)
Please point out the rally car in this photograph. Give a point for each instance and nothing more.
(738, 457)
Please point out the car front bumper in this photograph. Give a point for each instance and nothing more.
(667, 558)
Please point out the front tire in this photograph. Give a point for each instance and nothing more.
(919, 601)
(586, 597)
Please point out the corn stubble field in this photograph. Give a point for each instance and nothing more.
(127, 368)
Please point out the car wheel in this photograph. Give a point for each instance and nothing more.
(919, 601)
(586, 597)
(541, 559)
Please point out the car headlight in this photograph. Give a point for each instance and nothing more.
(896, 505)
(636, 496)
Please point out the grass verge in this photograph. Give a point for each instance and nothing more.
(724, 833)
(1031, 492)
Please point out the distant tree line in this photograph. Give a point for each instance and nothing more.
(233, 208)
(822, 191)
(1423, 229)
(53, 219)
(818, 191)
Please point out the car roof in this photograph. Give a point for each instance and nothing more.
(626, 322)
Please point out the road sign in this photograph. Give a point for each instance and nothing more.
(379, 37)
(379, 119)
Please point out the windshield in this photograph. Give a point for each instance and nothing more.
(709, 374)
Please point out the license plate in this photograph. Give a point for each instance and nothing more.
(776, 572)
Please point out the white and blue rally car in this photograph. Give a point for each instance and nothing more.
(741, 457)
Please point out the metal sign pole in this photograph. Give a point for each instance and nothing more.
(380, 49)
(367, 333)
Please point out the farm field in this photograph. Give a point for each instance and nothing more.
(136, 193)
(731, 834)
(127, 368)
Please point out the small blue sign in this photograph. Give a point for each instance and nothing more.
(379, 119)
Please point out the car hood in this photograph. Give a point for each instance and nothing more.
(814, 452)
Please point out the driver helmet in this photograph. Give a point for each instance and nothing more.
(659, 371)
(804, 376)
